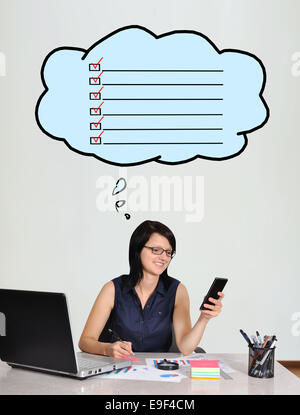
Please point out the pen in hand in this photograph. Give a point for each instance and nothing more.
(118, 337)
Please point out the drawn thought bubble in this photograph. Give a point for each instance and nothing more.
(135, 97)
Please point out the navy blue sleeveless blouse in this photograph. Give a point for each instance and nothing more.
(148, 329)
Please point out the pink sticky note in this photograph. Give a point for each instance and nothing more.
(132, 358)
(204, 363)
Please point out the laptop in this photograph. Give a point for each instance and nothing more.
(35, 333)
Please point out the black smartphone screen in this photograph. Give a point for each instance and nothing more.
(217, 285)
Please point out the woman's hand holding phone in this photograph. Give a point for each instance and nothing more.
(214, 310)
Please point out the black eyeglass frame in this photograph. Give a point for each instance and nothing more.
(161, 251)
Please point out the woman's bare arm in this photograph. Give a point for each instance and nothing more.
(96, 321)
(188, 338)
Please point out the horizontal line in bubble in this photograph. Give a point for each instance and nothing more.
(163, 84)
(201, 142)
(163, 70)
(162, 99)
(155, 115)
(159, 129)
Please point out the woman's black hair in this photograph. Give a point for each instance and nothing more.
(137, 241)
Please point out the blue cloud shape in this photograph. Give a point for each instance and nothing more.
(135, 97)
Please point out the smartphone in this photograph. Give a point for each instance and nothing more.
(217, 285)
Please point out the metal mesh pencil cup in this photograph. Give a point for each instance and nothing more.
(261, 362)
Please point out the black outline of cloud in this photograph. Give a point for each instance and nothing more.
(157, 158)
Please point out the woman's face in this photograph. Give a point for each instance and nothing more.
(152, 263)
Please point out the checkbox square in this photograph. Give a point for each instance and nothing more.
(95, 140)
(95, 126)
(95, 95)
(94, 67)
(94, 81)
(95, 111)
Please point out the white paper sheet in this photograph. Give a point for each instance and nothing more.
(140, 372)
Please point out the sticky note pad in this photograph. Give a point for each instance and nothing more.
(205, 369)
(133, 359)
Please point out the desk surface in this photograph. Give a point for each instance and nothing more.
(27, 382)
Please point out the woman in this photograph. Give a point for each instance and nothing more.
(135, 312)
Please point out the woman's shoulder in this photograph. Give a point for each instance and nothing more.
(181, 294)
(119, 280)
(106, 295)
(181, 288)
(108, 288)
(110, 291)
(172, 278)
(171, 281)
(117, 284)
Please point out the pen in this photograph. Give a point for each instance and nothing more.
(256, 344)
(265, 344)
(246, 337)
(115, 334)
(271, 340)
(259, 338)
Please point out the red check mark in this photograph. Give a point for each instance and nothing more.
(95, 79)
(97, 109)
(95, 95)
(96, 124)
(95, 64)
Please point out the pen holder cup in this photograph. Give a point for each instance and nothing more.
(261, 362)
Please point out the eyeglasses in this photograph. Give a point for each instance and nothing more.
(159, 251)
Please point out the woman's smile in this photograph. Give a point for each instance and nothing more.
(159, 263)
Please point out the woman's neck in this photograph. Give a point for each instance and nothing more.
(148, 283)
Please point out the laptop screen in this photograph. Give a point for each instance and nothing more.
(37, 330)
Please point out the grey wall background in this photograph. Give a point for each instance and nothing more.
(55, 238)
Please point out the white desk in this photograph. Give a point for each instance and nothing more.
(26, 382)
